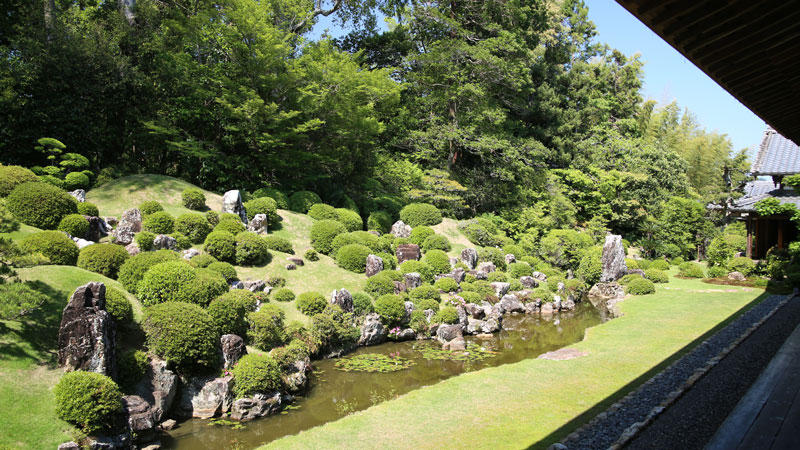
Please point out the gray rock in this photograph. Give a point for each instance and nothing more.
(446, 333)
(97, 228)
(407, 252)
(529, 282)
(556, 303)
(406, 334)
(469, 256)
(547, 308)
(560, 287)
(343, 298)
(87, 335)
(479, 275)
(190, 253)
(374, 265)
(233, 348)
(510, 258)
(169, 424)
(206, 397)
(158, 388)
(409, 307)
(463, 316)
(254, 285)
(533, 307)
(372, 330)
(453, 261)
(474, 326)
(83, 243)
(259, 405)
(613, 259)
(429, 313)
(232, 203)
(412, 280)
(475, 311)
(79, 195)
(539, 276)
(639, 272)
(491, 325)
(486, 267)
(457, 344)
(291, 267)
(129, 224)
(500, 288)
(401, 230)
(69, 446)
(296, 376)
(606, 291)
(117, 442)
(296, 260)
(737, 276)
(458, 275)
(568, 304)
(133, 249)
(141, 422)
(511, 304)
(165, 242)
(259, 224)
(399, 287)
(237, 285)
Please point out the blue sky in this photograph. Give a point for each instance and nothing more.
(668, 75)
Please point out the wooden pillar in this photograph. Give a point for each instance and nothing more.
(749, 237)
(780, 234)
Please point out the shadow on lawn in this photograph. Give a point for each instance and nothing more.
(587, 416)
(39, 329)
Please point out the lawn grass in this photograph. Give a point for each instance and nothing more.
(531, 402)
(22, 232)
(449, 229)
(128, 192)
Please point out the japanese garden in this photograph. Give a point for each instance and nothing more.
(457, 224)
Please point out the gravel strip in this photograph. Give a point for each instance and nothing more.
(642, 405)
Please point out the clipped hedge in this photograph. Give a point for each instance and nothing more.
(159, 223)
(353, 257)
(436, 242)
(11, 176)
(88, 209)
(640, 286)
(144, 240)
(182, 333)
(448, 315)
(310, 303)
(322, 211)
(302, 201)
(133, 270)
(281, 199)
(266, 328)
(420, 233)
(438, 261)
(40, 205)
(279, 244)
(194, 226)
(519, 269)
(364, 238)
(164, 282)
(322, 234)
(88, 400)
(380, 284)
(446, 284)
(55, 245)
(225, 269)
(656, 276)
(75, 225)
(251, 250)
(119, 306)
(379, 221)
(229, 311)
(221, 245)
(426, 272)
(194, 199)
(233, 226)
(105, 259)
(691, 270)
(350, 219)
(362, 304)
(206, 286)
(283, 295)
(263, 205)
(149, 207)
(742, 264)
(256, 374)
(76, 180)
(416, 214)
(203, 260)
(391, 308)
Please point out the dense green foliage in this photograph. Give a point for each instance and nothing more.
(40, 205)
(194, 199)
(251, 250)
(266, 327)
(283, 294)
(691, 270)
(166, 282)
(322, 234)
(225, 269)
(88, 400)
(105, 259)
(88, 209)
(182, 333)
(229, 311)
(149, 207)
(302, 201)
(119, 306)
(145, 240)
(134, 269)
(263, 205)
(362, 304)
(254, 374)
(54, 245)
(75, 225)
(159, 222)
(221, 245)
(18, 299)
(310, 303)
(194, 226)
(391, 308)
(416, 214)
(353, 257)
(640, 286)
(11, 176)
(279, 244)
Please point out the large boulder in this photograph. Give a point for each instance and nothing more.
(500, 288)
(529, 282)
(613, 259)
(259, 224)
(401, 230)
(737, 276)
(296, 377)
(446, 333)
(254, 285)
(458, 274)
(205, 397)
(474, 310)
(232, 203)
(79, 195)
(374, 265)
(165, 242)
(259, 405)
(97, 228)
(158, 388)
(469, 256)
(129, 224)
(141, 422)
(373, 332)
(412, 280)
(343, 298)
(486, 267)
(87, 335)
(511, 304)
(233, 348)
(407, 252)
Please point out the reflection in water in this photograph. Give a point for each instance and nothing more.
(335, 393)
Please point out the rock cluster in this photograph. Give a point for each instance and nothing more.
(259, 224)
(343, 299)
(129, 223)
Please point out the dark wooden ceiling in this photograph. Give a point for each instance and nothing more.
(750, 47)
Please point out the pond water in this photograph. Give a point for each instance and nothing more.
(335, 393)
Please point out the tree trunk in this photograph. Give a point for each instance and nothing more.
(126, 8)
(49, 11)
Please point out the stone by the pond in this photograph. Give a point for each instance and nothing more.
(291, 267)
(296, 378)
(457, 344)
(259, 405)
(401, 230)
(529, 282)
(453, 261)
(406, 334)
(373, 332)
(87, 335)
(140, 418)
(407, 252)
(190, 253)
(413, 280)
(491, 325)
(474, 310)
(511, 304)
(474, 326)
(254, 285)
(206, 397)
(232, 203)
(296, 260)
(463, 316)
(169, 424)
(606, 291)
(79, 195)
(469, 256)
(165, 242)
(547, 308)
(737, 276)
(486, 267)
(374, 265)
(158, 388)
(343, 299)
(568, 304)
(613, 259)
(259, 224)
(129, 223)
(233, 348)
(446, 333)
(556, 302)
(500, 288)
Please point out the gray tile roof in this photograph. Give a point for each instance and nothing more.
(761, 189)
(776, 155)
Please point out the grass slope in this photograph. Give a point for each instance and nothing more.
(449, 229)
(128, 192)
(531, 402)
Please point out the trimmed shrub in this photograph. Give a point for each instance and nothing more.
(425, 271)
(515, 285)
(640, 286)
(424, 292)
(519, 269)
(8, 222)
(144, 239)
(279, 244)
(742, 264)
(55, 245)
(87, 400)
(691, 270)
(717, 272)
(333, 329)
(194, 199)
(416, 214)
(225, 269)
(133, 270)
(40, 205)
(472, 297)
(515, 250)
(364, 238)
(302, 201)
(105, 259)
(194, 226)
(75, 225)
(118, 306)
(88, 209)
(478, 234)
(281, 199)
(644, 264)
(448, 314)
(391, 308)
(76, 180)
(656, 276)
(212, 217)
(221, 245)
(132, 366)
(591, 266)
(425, 303)
(311, 255)
(251, 250)
(181, 241)
(322, 234)
(436, 242)
(283, 295)
(493, 255)
(52, 181)
(159, 223)
(438, 260)
(11, 176)
(182, 333)
(498, 276)
(480, 286)
(628, 278)
(263, 205)
(164, 282)
(362, 304)
(446, 284)
(379, 284)
(310, 303)
(353, 257)
(350, 219)
(676, 261)
(631, 264)
(266, 328)
(206, 286)
(255, 374)
(389, 260)
(322, 211)
(276, 282)
(420, 233)
(203, 260)
(229, 311)
(150, 207)
(232, 226)
(658, 264)
(379, 221)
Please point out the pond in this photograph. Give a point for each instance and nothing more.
(335, 393)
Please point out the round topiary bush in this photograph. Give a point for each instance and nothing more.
(159, 223)
(448, 314)
(691, 270)
(232, 226)
(493, 255)
(251, 250)
(278, 244)
(656, 276)
(53, 181)
(8, 222)
(379, 221)
(311, 255)
(266, 328)
(310, 303)
(164, 282)
(302, 201)
(497, 276)
(640, 286)
(659, 264)
(281, 199)
(519, 269)
(276, 282)
(423, 269)
(742, 264)
(134, 269)
(194, 199)
(221, 245)
(229, 311)
(422, 304)
(76, 180)
(149, 207)
(322, 211)
(131, 368)
(75, 225)
(11, 176)
(212, 217)
(256, 374)
(391, 308)
(203, 260)
(88, 209)
(225, 269)
(446, 284)
(144, 240)
(194, 226)
(438, 261)
(263, 205)
(350, 219)
(353, 257)
(379, 284)
(105, 259)
(420, 233)
(55, 245)
(416, 214)
(40, 205)
(206, 286)
(472, 297)
(181, 241)
(436, 242)
(717, 272)
(283, 295)
(424, 292)
(362, 304)
(322, 234)
(182, 333)
(119, 306)
(365, 238)
(88, 400)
